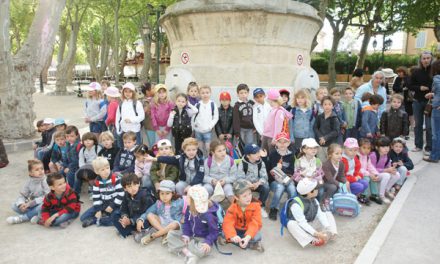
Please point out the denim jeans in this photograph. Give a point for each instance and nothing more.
(63, 218)
(373, 188)
(125, 232)
(104, 221)
(419, 117)
(263, 190)
(278, 189)
(435, 153)
(247, 135)
(255, 239)
(29, 213)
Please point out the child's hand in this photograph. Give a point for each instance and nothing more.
(49, 221)
(279, 165)
(236, 239)
(228, 136)
(222, 182)
(139, 225)
(400, 163)
(374, 178)
(321, 141)
(173, 113)
(185, 240)
(369, 135)
(66, 170)
(214, 182)
(109, 209)
(321, 235)
(205, 247)
(23, 207)
(98, 214)
(124, 221)
(149, 159)
(263, 153)
(244, 242)
(358, 178)
(221, 136)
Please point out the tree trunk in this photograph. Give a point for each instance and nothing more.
(124, 54)
(368, 31)
(146, 40)
(19, 71)
(332, 59)
(321, 13)
(116, 45)
(92, 59)
(62, 33)
(105, 48)
(46, 67)
(437, 32)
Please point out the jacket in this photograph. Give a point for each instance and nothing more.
(171, 173)
(111, 112)
(356, 170)
(287, 161)
(380, 162)
(420, 77)
(59, 155)
(259, 115)
(252, 174)
(301, 125)
(330, 171)
(107, 192)
(242, 116)
(308, 169)
(142, 168)
(224, 124)
(86, 156)
(73, 156)
(47, 138)
(226, 170)
(180, 123)
(250, 220)
(368, 88)
(110, 154)
(134, 207)
(355, 107)
(146, 103)
(202, 225)
(124, 161)
(401, 85)
(394, 123)
(179, 160)
(96, 110)
(67, 204)
(160, 113)
(338, 109)
(275, 121)
(328, 128)
(158, 208)
(369, 122)
(402, 156)
(126, 110)
(436, 91)
(206, 118)
(33, 191)
(367, 168)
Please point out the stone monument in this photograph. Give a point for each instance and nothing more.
(263, 43)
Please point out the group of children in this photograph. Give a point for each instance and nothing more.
(310, 150)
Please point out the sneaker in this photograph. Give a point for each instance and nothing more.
(139, 235)
(416, 150)
(430, 160)
(17, 219)
(164, 241)
(376, 199)
(147, 239)
(317, 242)
(273, 214)
(385, 200)
(65, 224)
(258, 246)
(35, 219)
(263, 212)
(389, 195)
(88, 222)
(193, 259)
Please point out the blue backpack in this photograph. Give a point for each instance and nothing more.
(286, 214)
(345, 203)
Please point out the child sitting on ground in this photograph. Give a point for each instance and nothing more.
(107, 196)
(160, 171)
(135, 202)
(399, 157)
(334, 174)
(142, 167)
(242, 222)
(60, 206)
(253, 169)
(200, 228)
(109, 148)
(165, 215)
(308, 165)
(58, 158)
(28, 204)
(125, 159)
(369, 171)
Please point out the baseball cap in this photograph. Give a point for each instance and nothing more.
(282, 135)
(309, 142)
(258, 91)
(167, 186)
(351, 143)
(164, 143)
(48, 120)
(129, 85)
(251, 149)
(273, 94)
(306, 185)
(240, 186)
(59, 121)
(225, 96)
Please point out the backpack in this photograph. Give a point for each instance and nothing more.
(113, 179)
(286, 214)
(229, 148)
(101, 104)
(345, 203)
(246, 168)
(198, 110)
(209, 162)
(134, 109)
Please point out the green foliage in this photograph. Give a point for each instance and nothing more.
(21, 15)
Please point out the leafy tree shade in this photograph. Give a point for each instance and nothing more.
(423, 13)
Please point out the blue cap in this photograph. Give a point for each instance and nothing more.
(251, 149)
(258, 91)
(59, 121)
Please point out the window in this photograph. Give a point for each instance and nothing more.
(421, 40)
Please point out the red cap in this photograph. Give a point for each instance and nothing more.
(225, 96)
(282, 135)
(284, 91)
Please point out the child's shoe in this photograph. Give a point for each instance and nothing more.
(35, 219)
(376, 199)
(164, 241)
(258, 246)
(65, 224)
(193, 259)
(88, 222)
(17, 219)
(139, 235)
(317, 242)
(273, 214)
(389, 195)
(263, 212)
(385, 200)
(147, 239)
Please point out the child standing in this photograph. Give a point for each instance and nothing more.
(162, 171)
(95, 109)
(285, 94)
(400, 160)
(242, 222)
(368, 171)
(394, 122)
(180, 120)
(113, 96)
(338, 108)
(60, 205)
(326, 127)
(200, 227)
(301, 126)
(370, 119)
(73, 148)
(281, 167)
(388, 173)
(253, 169)
(308, 165)
(276, 122)
(135, 202)
(107, 196)
(160, 111)
(142, 167)
(28, 204)
(321, 92)
(260, 111)
(334, 174)
(124, 161)
(223, 128)
(148, 93)
(109, 149)
(193, 93)
(165, 215)
(242, 116)
(220, 168)
(353, 114)
(130, 113)
(204, 121)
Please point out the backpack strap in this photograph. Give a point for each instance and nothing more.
(78, 147)
(113, 178)
(134, 107)
(198, 109)
(120, 113)
(293, 112)
(209, 162)
(231, 161)
(212, 109)
(185, 205)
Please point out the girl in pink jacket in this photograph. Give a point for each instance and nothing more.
(161, 108)
(276, 122)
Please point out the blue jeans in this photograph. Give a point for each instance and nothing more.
(278, 189)
(104, 221)
(204, 137)
(419, 117)
(151, 137)
(29, 213)
(255, 239)
(97, 127)
(263, 190)
(63, 218)
(125, 232)
(247, 135)
(435, 121)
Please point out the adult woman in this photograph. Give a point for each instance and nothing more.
(401, 85)
(420, 84)
(374, 86)
(435, 117)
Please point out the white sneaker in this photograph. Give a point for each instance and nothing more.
(389, 195)
(264, 213)
(18, 219)
(385, 200)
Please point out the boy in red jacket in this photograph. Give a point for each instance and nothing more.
(61, 205)
(353, 170)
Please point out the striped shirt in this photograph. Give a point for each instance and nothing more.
(107, 192)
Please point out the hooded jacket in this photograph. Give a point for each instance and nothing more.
(328, 128)
(33, 191)
(202, 225)
(369, 122)
(275, 121)
(356, 170)
(252, 174)
(248, 220)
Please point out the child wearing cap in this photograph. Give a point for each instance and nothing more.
(353, 173)
(130, 113)
(281, 166)
(308, 165)
(223, 128)
(160, 111)
(301, 125)
(124, 161)
(164, 216)
(253, 169)
(326, 127)
(277, 121)
(113, 96)
(261, 110)
(161, 171)
(190, 164)
(60, 124)
(285, 94)
(95, 109)
(399, 157)
(242, 223)
(242, 116)
(200, 228)
(303, 211)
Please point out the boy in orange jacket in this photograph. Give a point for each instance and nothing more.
(242, 223)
